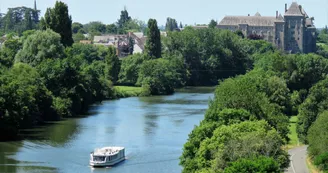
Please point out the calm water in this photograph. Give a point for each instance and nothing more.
(153, 131)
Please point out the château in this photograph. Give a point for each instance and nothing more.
(294, 32)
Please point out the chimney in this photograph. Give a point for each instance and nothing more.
(285, 7)
(276, 14)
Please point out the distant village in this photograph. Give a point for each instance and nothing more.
(121, 42)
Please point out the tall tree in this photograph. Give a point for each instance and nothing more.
(113, 64)
(181, 26)
(153, 44)
(9, 23)
(171, 24)
(212, 24)
(59, 21)
(28, 20)
(124, 19)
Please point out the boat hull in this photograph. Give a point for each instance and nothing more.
(104, 164)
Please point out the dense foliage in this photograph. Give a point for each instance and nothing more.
(48, 82)
(279, 86)
(160, 76)
(241, 140)
(19, 19)
(209, 54)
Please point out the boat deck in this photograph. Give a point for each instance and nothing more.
(107, 151)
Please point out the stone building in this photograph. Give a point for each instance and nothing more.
(294, 32)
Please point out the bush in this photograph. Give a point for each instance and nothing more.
(259, 164)
(322, 161)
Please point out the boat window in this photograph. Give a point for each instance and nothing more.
(114, 157)
(99, 158)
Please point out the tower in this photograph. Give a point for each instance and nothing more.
(294, 29)
(35, 5)
(35, 13)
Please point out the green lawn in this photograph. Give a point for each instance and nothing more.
(292, 133)
(127, 91)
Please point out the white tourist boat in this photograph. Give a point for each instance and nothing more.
(107, 156)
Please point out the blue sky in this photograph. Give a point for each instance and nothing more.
(187, 11)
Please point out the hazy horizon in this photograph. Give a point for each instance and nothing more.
(188, 12)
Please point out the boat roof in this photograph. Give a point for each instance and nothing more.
(107, 151)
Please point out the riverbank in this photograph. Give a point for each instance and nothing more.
(118, 93)
(153, 130)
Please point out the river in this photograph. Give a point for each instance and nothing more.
(153, 131)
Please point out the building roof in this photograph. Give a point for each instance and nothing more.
(280, 17)
(108, 38)
(304, 13)
(250, 20)
(294, 10)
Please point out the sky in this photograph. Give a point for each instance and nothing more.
(189, 12)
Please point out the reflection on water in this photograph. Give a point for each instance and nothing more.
(153, 130)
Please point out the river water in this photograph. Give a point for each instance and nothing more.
(152, 130)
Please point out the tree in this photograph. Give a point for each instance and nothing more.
(9, 50)
(95, 27)
(113, 64)
(312, 107)
(76, 27)
(40, 46)
(111, 29)
(24, 100)
(123, 20)
(212, 55)
(153, 43)
(78, 37)
(171, 24)
(213, 24)
(181, 26)
(59, 21)
(159, 76)
(130, 69)
(9, 23)
(28, 21)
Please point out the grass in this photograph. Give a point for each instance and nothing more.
(294, 142)
(128, 91)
